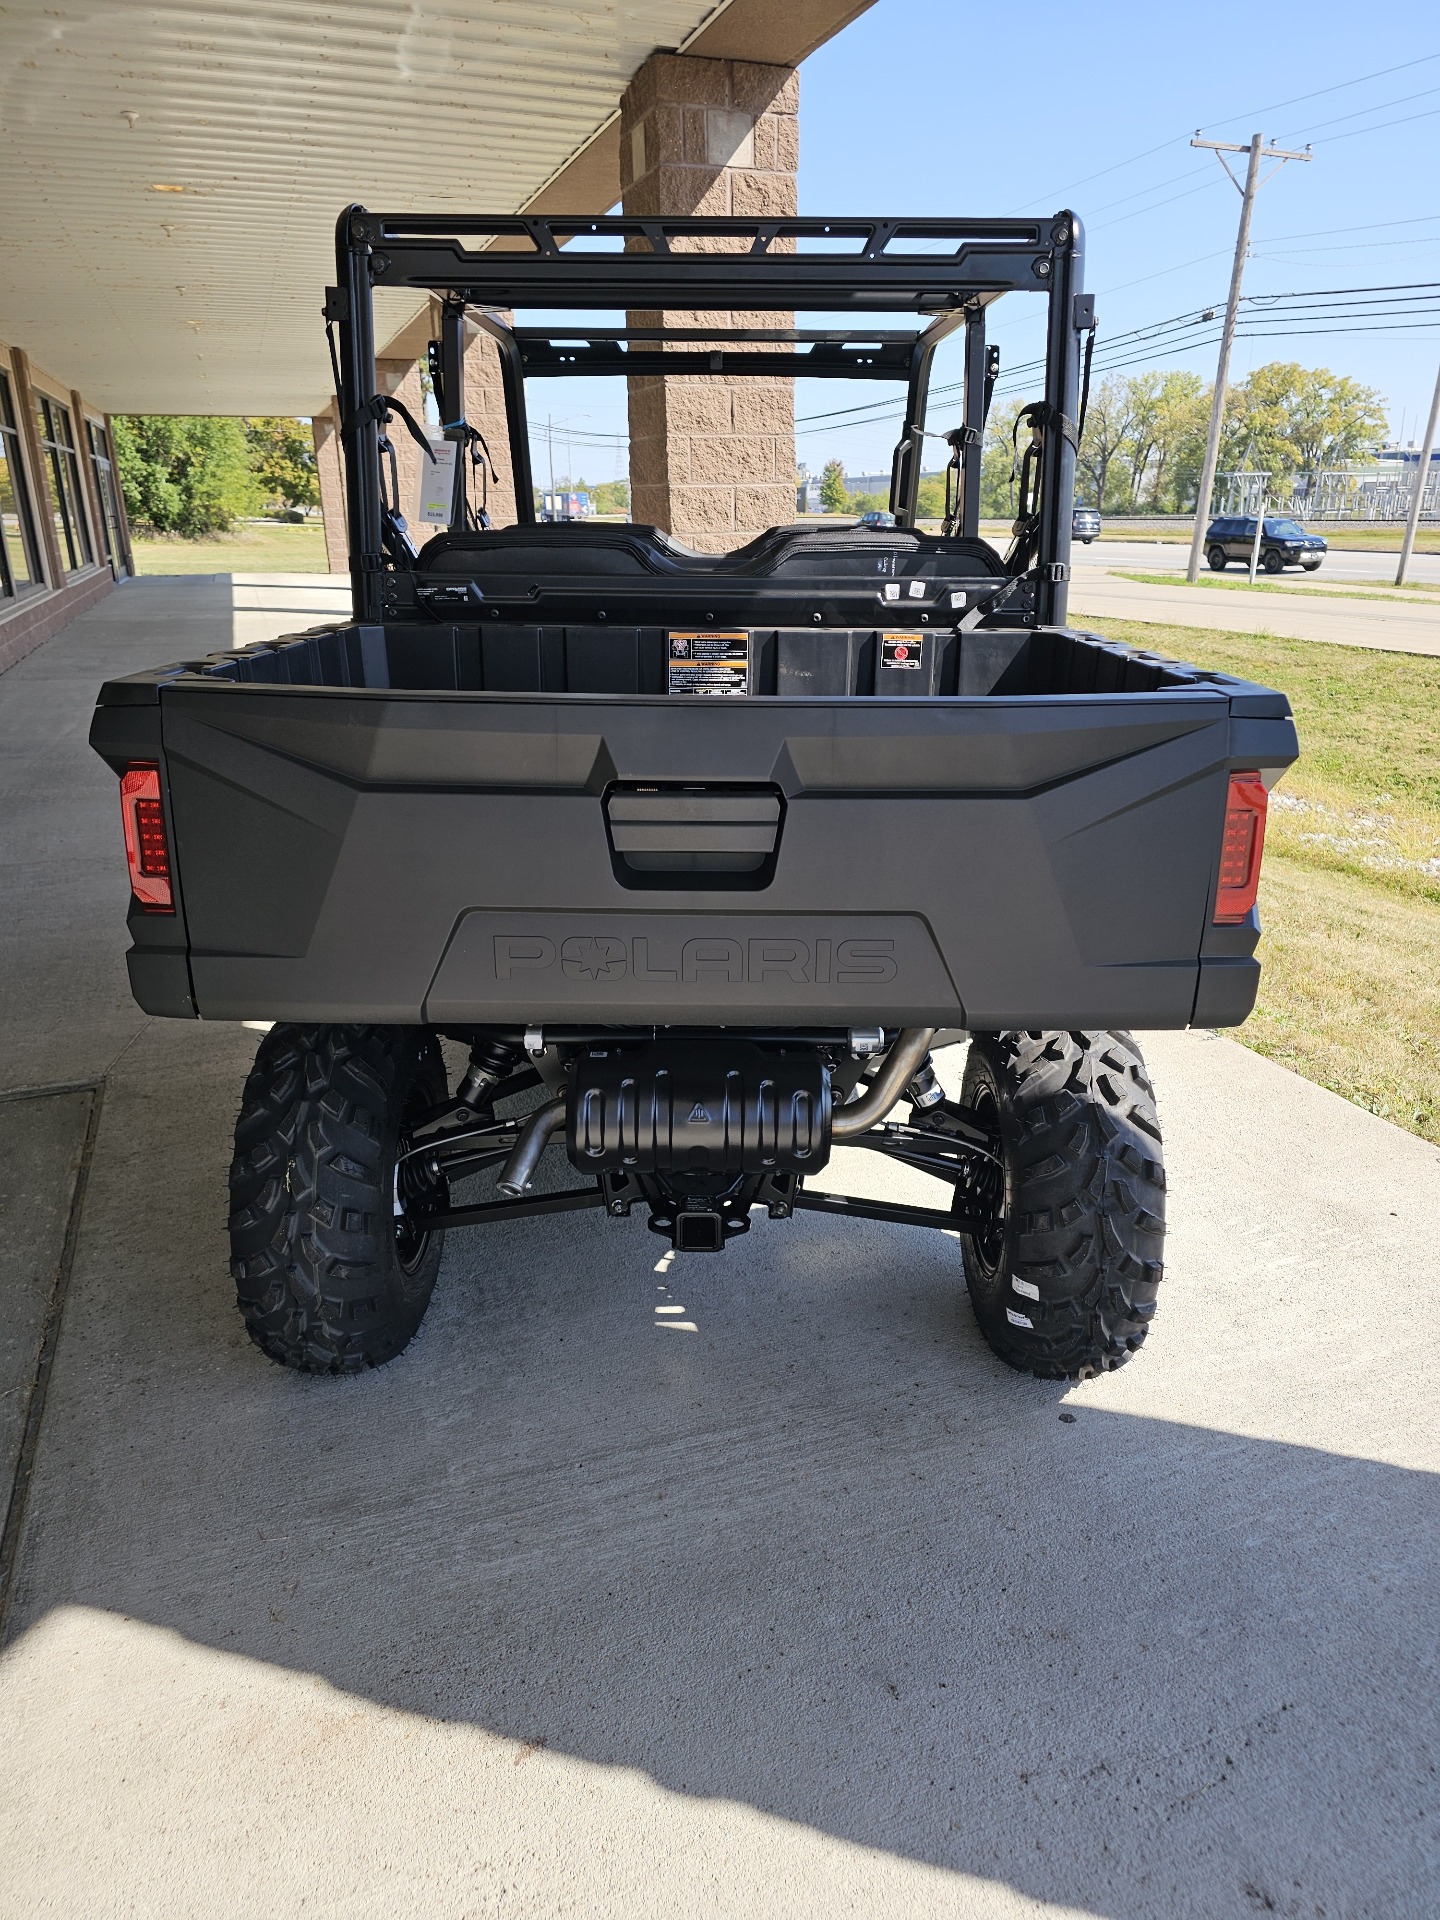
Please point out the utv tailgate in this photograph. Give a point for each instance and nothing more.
(500, 858)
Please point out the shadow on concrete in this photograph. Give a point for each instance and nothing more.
(802, 1545)
(821, 1555)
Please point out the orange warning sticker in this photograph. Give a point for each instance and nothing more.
(709, 663)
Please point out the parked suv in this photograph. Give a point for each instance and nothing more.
(1085, 525)
(1283, 543)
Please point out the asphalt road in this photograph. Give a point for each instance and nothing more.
(1166, 556)
(741, 1585)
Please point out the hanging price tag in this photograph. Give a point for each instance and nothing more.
(437, 485)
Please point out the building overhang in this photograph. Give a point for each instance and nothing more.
(174, 172)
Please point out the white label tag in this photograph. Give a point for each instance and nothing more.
(437, 485)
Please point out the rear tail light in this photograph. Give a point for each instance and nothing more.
(1241, 849)
(147, 847)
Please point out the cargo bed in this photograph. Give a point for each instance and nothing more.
(495, 823)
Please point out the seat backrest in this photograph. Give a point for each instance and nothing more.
(587, 550)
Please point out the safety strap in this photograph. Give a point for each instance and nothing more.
(379, 407)
(1085, 388)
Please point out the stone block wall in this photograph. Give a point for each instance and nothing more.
(712, 459)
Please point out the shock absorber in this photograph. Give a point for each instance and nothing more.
(924, 1089)
(490, 1062)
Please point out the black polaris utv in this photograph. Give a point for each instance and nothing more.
(710, 851)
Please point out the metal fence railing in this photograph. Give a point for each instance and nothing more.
(1340, 493)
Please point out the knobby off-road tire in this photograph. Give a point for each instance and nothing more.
(1065, 1286)
(327, 1279)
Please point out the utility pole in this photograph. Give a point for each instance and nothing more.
(1255, 543)
(1408, 543)
(1257, 151)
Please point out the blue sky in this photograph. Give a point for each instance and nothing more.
(937, 106)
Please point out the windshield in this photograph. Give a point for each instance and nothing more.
(1284, 529)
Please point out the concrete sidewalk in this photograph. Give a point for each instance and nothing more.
(794, 1603)
(1385, 624)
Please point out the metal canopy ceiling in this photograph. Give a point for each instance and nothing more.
(172, 172)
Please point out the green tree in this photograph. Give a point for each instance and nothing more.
(930, 499)
(997, 463)
(1288, 419)
(1182, 408)
(611, 496)
(834, 496)
(1111, 421)
(282, 458)
(184, 475)
(1141, 443)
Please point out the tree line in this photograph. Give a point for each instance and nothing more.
(1144, 441)
(1141, 451)
(194, 476)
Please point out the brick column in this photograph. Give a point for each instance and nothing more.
(485, 410)
(330, 472)
(712, 460)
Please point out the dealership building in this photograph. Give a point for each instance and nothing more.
(171, 179)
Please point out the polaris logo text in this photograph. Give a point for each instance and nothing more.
(602, 957)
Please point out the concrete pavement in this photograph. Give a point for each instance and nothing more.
(1389, 625)
(1317, 609)
(793, 1603)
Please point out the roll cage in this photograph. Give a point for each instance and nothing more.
(946, 271)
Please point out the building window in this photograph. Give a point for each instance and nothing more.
(57, 449)
(19, 559)
(107, 491)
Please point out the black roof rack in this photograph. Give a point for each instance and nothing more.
(879, 265)
(947, 272)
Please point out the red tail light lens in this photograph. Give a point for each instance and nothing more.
(1241, 849)
(147, 848)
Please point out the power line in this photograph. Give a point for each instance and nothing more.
(1370, 226)
(1353, 246)
(1154, 207)
(1255, 113)
(1298, 99)
(1384, 127)
(1155, 186)
(1315, 293)
(1380, 106)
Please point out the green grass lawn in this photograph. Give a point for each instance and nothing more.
(1288, 583)
(267, 546)
(1350, 892)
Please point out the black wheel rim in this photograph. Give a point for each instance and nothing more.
(980, 1190)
